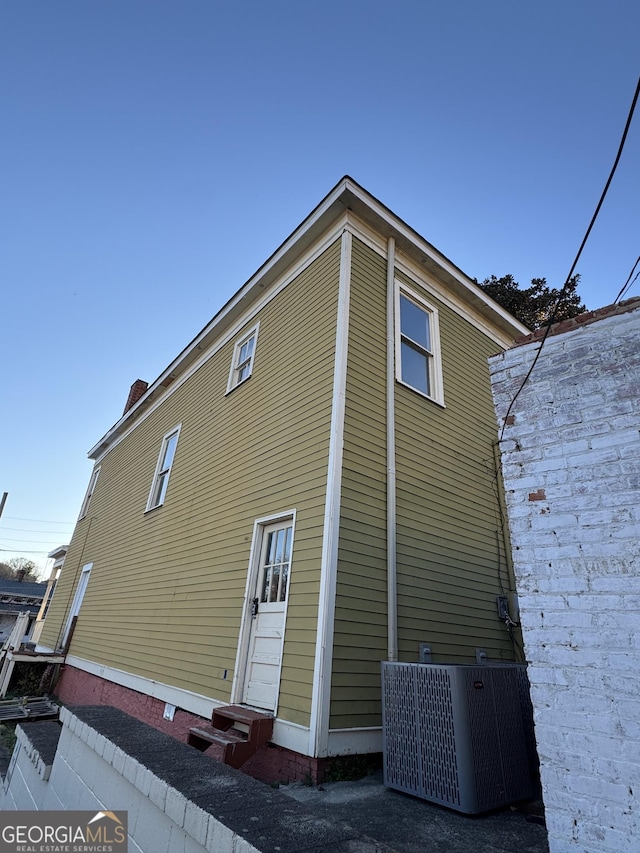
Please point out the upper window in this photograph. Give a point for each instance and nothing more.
(90, 490)
(163, 469)
(243, 354)
(418, 345)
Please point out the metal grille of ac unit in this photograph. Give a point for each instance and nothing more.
(437, 735)
(524, 694)
(454, 735)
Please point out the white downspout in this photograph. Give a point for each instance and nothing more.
(392, 582)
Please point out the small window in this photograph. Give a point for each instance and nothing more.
(275, 564)
(163, 469)
(90, 490)
(418, 346)
(243, 354)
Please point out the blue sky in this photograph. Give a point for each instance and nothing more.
(155, 152)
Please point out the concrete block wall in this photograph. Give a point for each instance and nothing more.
(570, 455)
(90, 773)
(178, 800)
(25, 784)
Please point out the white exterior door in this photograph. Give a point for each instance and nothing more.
(266, 638)
(77, 600)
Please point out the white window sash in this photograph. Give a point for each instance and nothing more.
(89, 493)
(242, 366)
(160, 481)
(432, 354)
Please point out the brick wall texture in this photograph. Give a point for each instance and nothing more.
(571, 466)
(271, 763)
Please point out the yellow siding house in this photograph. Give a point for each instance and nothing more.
(308, 489)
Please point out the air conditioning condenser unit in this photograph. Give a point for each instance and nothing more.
(455, 734)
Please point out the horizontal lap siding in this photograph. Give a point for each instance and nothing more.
(361, 611)
(165, 596)
(450, 550)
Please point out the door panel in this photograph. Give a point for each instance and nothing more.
(267, 625)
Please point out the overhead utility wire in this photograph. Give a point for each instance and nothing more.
(34, 541)
(14, 551)
(26, 530)
(38, 520)
(577, 257)
(628, 282)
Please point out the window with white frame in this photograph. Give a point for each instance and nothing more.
(243, 355)
(418, 362)
(163, 469)
(90, 490)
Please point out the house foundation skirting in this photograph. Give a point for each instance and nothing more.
(272, 763)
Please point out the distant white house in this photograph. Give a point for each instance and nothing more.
(19, 597)
(57, 555)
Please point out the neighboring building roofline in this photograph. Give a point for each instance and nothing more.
(25, 589)
(346, 196)
(58, 552)
(579, 321)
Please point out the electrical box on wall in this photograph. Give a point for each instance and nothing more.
(502, 603)
(424, 654)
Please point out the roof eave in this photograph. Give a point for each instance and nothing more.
(347, 195)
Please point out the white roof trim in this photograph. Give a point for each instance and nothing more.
(346, 195)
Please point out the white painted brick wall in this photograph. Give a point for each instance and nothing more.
(571, 468)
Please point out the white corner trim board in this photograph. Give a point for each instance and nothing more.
(320, 699)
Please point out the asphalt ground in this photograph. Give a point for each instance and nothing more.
(404, 824)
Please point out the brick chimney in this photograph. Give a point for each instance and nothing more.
(20, 575)
(137, 390)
